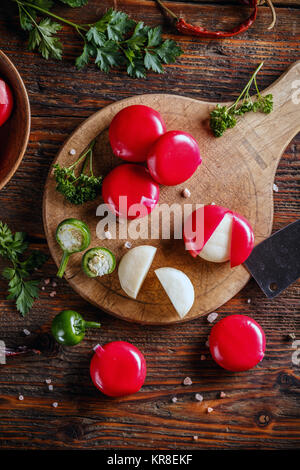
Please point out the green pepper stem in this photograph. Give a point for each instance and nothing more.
(92, 324)
(63, 264)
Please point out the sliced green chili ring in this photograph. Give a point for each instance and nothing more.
(79, 227)
(92, 253)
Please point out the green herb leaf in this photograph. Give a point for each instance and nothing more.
(45, 4)
(154, 37)
(25, 20)
(82, 188)
(119, 25)
(75, 3)
(12, 247)
(114, 40)
(136, 69)
(169, 51)
(225, 117)
(96, 37)
(41, 37)
(108, 56)
(138, 38)
(152, 62)
(84, 58)
(25, 295)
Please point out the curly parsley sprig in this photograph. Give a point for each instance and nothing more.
(115, 40)
(81, 188)
(225, 117)
(21, 289)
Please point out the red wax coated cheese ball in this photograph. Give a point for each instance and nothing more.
(173, 158)
(134, 130)
(237, 343)
(118, 369)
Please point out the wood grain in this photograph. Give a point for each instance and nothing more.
(261, 410)
(243, 181)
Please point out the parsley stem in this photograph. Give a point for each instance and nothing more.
(247, 86)
(49, 13)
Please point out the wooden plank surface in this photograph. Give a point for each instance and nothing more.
(261, 409)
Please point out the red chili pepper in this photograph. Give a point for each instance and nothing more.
(188, 29)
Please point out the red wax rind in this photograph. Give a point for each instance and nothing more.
(135, 184)
(242, 240)
(237, 343)
(118, 369)
(201, 224)
(6, 102)
(133, 131)
(173, 158)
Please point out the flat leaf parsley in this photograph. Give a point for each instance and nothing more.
(115, 40)
(21, 288)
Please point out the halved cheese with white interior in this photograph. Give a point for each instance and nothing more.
(217, 247)
(134, 267)
(178, 287)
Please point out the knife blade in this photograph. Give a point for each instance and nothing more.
(275, 262)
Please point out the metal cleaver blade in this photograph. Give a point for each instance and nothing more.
(275, 262)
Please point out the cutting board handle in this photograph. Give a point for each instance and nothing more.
(265, 136)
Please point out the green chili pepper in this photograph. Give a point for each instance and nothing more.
(68, 327)
(73, 236)
(98, 261)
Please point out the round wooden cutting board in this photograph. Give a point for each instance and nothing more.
(238, 172)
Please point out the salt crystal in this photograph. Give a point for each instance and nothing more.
(55, 404)
(202, 357)
(72, 152)
(186, 193)
(54, 284)
(26, 332)
(291, 336)
(209, 409)
(47, 281)
(275, 188)
(187, 381)
(199, 397)
(127, 245)
(222, 394)
(53, 293)
(195, 438)
(50, 388)
(21, 398)
(207, 343)
(212, 317)
(174, 399)
(108, 235)
(248, 301)
(48, 381)
(43, 288)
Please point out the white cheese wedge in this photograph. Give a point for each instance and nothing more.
(134, 267)
(178, 287)
(217, 248)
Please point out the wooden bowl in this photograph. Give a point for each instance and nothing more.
(14, 134)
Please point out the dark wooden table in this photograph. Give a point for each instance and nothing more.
(261, 408)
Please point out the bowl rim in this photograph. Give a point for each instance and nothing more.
(25, 137)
